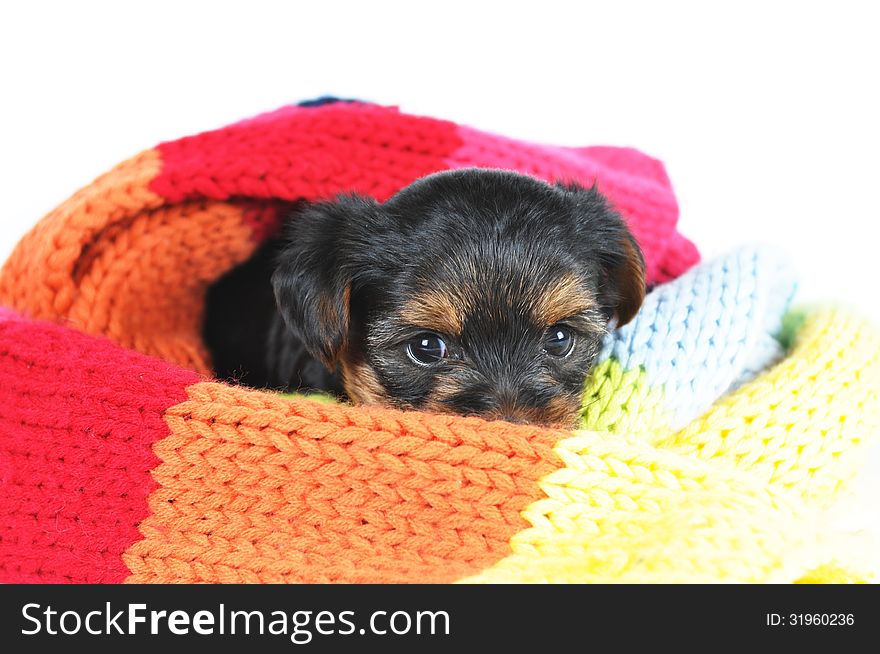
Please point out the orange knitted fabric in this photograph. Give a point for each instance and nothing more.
(257, 488)
(709, 462)
(131, 255)
(115, 261)
(177, 479)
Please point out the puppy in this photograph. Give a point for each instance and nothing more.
(477, 292)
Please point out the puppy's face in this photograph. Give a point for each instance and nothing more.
(476, 292)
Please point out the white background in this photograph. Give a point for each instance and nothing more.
(766, 113)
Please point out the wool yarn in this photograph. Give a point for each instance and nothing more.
(693, 340)
(717, 429)
(247, 486)
(131, 255)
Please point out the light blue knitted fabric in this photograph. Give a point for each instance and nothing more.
(708, 331)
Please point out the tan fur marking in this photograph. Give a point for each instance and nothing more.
(334, 323)
(630, 277)
(562, 411)
(361, 384)
(444, 388)
(563, 299)
(436, 311)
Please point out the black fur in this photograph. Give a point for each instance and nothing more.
(491, 240)
(248, 344)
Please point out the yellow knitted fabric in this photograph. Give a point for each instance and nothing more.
(739, 495)
(623, 402)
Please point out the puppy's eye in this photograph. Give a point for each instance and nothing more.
(558, 341)
(426, 349)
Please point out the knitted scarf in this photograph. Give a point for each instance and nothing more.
(717, 429)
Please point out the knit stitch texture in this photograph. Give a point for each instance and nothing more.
(717, 428)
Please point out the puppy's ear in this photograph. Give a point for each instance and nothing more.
(622, 287)
(624, 265)
(314, 272)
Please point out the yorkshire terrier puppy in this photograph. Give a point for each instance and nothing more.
(476, 292)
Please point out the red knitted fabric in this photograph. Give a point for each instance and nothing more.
(300, 152)
(131, 256)
(76, 457)
(317, 152)
(117, 466)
